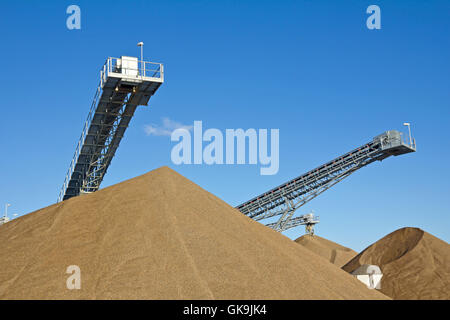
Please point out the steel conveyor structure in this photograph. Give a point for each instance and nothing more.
(125, 83)
(285, 199)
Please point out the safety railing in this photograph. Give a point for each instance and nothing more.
(84, 133)
(132, 68)
(409, 141)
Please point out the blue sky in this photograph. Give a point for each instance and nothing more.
(309, 68)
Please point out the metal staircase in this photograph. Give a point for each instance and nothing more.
(125, 83)
(285, 199)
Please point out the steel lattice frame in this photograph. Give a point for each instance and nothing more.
(119, 93)
(286, 199)
(106, 146)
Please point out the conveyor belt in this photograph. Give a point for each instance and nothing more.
(285, 199)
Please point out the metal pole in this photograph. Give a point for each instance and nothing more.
(6, 209)
(142, 58)
(410, 139)
(141, 44)
(409, 130)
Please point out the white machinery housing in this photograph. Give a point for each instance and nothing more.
(370, 275)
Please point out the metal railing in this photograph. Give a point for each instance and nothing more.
(81, 140)
(145, 69)
(405, 139)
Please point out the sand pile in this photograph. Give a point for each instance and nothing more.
(333, 252)
(160, 236)
(415, 264)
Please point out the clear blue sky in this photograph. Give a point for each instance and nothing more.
(310, 68)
